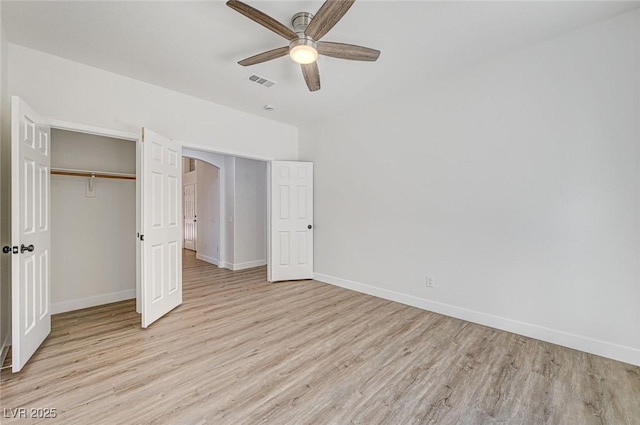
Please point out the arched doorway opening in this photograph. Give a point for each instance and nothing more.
(230, 208)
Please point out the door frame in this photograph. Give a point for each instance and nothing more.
(269, 268)
(96, 131)
(116, 134)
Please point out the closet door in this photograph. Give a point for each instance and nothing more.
(161, 215)
(30, 232)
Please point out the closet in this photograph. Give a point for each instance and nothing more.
(93, 220)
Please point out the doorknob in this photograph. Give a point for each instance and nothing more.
(309, 227)
(23, 248)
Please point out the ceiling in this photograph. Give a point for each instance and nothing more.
(193, 47)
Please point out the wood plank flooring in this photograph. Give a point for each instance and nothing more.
(242, 351)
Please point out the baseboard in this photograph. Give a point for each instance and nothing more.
(80, 303)
(231, 266)
(248, 265)
(210, 260)
(6, 344)
(554, 336)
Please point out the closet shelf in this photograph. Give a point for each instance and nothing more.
(87, 173)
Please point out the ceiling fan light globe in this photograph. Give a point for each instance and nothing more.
(303, 54)
(303, 50)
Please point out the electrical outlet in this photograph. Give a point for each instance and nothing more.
(429, 281)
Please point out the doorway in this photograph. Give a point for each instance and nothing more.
(201, 209)
(230, 208)
(93, 220)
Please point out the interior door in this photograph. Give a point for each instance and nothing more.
(161, 237)
(30, 232)
(291, 215)
(190, 230)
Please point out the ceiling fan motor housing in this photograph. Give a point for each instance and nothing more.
(300, 21)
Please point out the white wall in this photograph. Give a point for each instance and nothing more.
(69, 91)
(208, 212)
(5, 210)
(76, 150)
(514, 184)
(250, 213)
(93, 239)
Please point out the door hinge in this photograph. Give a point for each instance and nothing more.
(8, 249)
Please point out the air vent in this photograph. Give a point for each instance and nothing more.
(261, 80)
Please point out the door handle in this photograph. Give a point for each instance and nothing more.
(23, 248)
(309, 227)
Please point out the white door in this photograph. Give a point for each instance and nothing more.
(190, 230)
(291, 213)
(30, 232)
(161, 236)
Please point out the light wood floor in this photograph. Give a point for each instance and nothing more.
(242, 351)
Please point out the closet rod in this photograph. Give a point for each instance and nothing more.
(97, 174)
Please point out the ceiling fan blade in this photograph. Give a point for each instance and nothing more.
(263, 19)
(347, 51)
(265, 56)
(311, 76)
(328, 15)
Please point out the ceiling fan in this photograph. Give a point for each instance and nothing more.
(304, 39)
